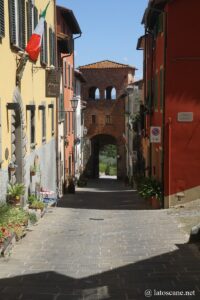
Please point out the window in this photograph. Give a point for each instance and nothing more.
(161, 88)
(110, 93)
(108, 120)
(52, 46)
(32, 127)
(69, 122)
(2, 19)
(61, 108)
(69, 76)
(30, 18)
(51, 107)
(159, 24)
(17, 23)
(65, 73)
(97, 94)
(43, 124)
(43, 51)
(70, 165)
(93, 119)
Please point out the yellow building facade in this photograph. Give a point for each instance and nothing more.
(27, 116)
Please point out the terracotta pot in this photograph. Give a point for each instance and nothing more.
(155, 203)
(32, 173)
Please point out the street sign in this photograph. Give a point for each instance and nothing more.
(155, 134)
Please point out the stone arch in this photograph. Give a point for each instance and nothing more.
(110, 93)
(94, 93)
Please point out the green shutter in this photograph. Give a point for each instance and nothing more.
(2, 19)
(156, 92)
(54, 48)
(161, 88)
(50, 47)
(12, 22)
(29, 7)
(35, 16)
(45, 41)
(22, 24)
(43, 51)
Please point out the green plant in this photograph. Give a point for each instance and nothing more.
(32, 217)
(32, 198)
(16, 190)
(149, 187)
(37, 205)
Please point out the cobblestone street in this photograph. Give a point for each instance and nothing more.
(101, 243)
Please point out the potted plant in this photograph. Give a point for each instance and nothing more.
(12, 166)
(150, 189)
(15, 191)
(33, 170)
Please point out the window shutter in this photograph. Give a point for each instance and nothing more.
(43, 51)
(12, 22)
(51, 46)
(35, 16)
(45, 43)
(22, 24)
(29, 7)
(54, 48)
(2, 21)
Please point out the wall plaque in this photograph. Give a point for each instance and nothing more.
(52, 83)
(185, 117)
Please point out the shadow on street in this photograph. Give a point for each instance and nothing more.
(106, 194)
(177, 271)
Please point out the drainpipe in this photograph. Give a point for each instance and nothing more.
(163, 118)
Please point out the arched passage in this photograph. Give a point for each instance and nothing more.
(101, 145)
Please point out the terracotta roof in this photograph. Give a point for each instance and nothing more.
(106, 64)
(70, 19)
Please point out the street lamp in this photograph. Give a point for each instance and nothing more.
(74, 102)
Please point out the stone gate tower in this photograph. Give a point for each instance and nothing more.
(104, 117)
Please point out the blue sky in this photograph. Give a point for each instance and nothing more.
(110, 29)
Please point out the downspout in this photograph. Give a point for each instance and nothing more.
(163, 118)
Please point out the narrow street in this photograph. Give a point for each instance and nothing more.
(101, 243)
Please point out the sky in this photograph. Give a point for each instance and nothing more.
(110, 30)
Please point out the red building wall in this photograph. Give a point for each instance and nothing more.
(182, 95)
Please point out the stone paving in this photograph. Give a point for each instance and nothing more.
(102, 243)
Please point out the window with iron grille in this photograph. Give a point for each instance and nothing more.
(32, 126)
(2, 19)
(17, 23)
(43, 124)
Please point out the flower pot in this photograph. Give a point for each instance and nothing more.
(155, 202)
(32, 173)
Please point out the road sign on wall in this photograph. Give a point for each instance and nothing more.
(155, 134)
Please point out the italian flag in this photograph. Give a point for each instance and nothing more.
(34, 44)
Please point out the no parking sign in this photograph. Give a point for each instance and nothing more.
(155, 134)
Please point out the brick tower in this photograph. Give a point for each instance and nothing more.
(104, 117)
